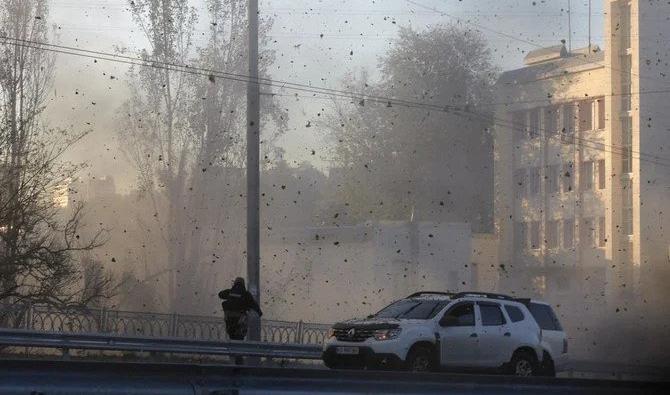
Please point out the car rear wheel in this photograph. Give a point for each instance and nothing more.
(523, 364)
(420, 359)
(547, 368)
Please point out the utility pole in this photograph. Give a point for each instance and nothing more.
(569, 27)
(253, 170)
(589, 27)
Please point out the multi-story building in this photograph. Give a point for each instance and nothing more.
(582, 163)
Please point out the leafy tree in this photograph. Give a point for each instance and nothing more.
(420, 161)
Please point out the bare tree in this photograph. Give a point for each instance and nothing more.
(98, 284)
(155, 133)
(39, 241)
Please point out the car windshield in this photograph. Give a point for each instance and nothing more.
(412, 309)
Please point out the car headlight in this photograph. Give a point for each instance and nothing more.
(386, 334)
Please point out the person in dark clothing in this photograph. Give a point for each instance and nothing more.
(237, 301)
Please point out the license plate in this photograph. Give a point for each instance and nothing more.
(347, 350)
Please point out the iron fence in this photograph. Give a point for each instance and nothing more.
(128, 323)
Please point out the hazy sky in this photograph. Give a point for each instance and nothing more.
(363, 27)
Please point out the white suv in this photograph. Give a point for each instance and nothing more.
(431, 330)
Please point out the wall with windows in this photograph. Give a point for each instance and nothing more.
(552, 178)
(547, 198)
(582, 169)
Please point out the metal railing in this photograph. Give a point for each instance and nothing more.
(126, 323)
(108, 342)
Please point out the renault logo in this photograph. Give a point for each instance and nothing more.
(351, 332)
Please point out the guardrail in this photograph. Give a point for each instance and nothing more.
(101, 342)
(107, 342)
(161, 330)
(126, 323)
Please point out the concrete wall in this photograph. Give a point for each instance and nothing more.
(336, 273)
(485, 261)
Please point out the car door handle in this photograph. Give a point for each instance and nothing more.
(507, 334)
(473, 335)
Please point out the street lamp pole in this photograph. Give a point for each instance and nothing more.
(253, 169)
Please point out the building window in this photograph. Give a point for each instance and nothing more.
(519, 125)
(534, 235)
(586, 115)
(534, 127)
(552, 177)
(600, 105)
(602, 175)
(567, 175)
(568, 233)
(627, 145)
(602, 232)
(586, 232)
(551, 115)
(521, 235)
(520, 176)
(551, 234)
(626, 98)
(627, 203)
(534, 181)
(568, 122)
(586, 176)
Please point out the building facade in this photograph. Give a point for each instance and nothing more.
(582, 164)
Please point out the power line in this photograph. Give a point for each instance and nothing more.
(236, 77)
(341, 11)
(514, 127)
(511, 37)
(218, 73)
(389, 102)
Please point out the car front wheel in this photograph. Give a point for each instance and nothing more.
(523, 364)
(420, 359)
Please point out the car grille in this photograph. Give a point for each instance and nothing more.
(358, 336)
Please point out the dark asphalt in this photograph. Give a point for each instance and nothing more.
(83, 377)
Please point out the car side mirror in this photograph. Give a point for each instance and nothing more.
(449, 320)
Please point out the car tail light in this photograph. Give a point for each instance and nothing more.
(565, 346)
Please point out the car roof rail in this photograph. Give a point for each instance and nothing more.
(483, 295)
(420, 293)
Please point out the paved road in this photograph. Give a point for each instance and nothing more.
(63, 377)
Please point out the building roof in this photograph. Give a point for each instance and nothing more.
(552, 66)
(545, 54)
